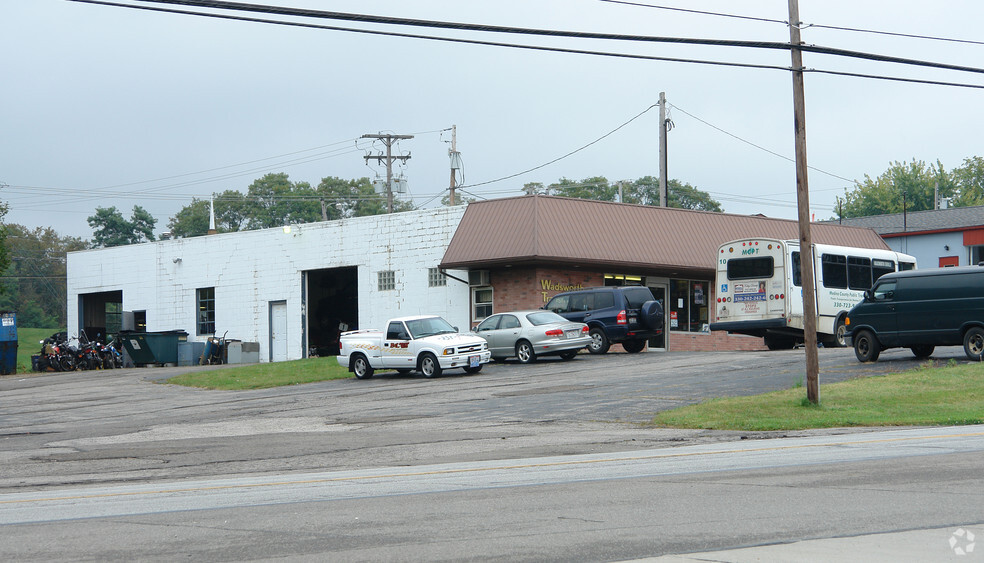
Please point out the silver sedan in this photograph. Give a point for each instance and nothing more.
(528, 334)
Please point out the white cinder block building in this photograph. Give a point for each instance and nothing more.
(287, 288)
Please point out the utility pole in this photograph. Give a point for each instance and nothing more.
(664, 192)
(803, 207)
(455, 161)
(389, 158)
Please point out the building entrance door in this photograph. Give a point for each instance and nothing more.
(278, 331)
(660, 293)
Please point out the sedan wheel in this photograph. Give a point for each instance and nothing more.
(524, 352)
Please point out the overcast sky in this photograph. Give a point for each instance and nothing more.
(107, 106)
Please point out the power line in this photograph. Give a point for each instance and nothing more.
(802, 26)
(520, 31)
(577, 150)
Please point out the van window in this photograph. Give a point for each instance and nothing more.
(834, 271)
(885, 291)
(634, 298)
(751, 268)
(559, 304)
(858, 273)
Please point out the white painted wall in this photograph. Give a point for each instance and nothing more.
(252, 268)
(929, 248)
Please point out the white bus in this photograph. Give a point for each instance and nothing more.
(759, 291)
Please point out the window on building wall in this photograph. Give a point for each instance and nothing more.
(976, 255)
(386, 280)
(114, 318)
(206, 310)
(689, 304)
(481, 302)
(436, 278)
(622, 279)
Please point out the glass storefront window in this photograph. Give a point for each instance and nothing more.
(689, 305)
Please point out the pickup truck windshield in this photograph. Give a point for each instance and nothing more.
(421, 328)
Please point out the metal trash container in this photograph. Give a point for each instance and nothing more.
(158, 348)
(8, 343)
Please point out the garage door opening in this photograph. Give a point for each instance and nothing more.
(332, 306)
(100, 314)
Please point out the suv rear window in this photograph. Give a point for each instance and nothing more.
(635, 297)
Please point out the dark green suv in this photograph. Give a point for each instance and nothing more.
(616, 314)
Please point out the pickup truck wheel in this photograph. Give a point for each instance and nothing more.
(599, 342)
(429, 365)
(525, 353)
(974, 343)
(361, 367)
(866, 346)
(634, 346)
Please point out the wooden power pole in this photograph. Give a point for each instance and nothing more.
(389, 158)
(664, 192)
(455, 161)
(803, 206)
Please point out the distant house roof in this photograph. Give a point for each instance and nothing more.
(548, 230)
(952, 219)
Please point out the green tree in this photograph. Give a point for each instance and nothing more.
(231, 214)
(274, 201)
(970, 182)
(34, 282)
(912, 185)
(110, 228)
(596, 188)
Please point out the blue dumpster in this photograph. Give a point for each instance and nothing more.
(8, 343)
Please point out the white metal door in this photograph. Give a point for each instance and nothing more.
(278, 331)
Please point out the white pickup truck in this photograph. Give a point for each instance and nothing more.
(428, 344)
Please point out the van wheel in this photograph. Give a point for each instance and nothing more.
(634, 346)
(429, 366)
(866, 347)
(922, 352)
(974, 343)
(599, 342)
(361, 367)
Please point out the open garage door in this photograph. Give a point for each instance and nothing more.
(332, 305)
(100, 314)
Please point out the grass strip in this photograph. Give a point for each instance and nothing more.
(263, 376)
(927, 396)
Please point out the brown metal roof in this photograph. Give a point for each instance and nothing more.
(564, 231)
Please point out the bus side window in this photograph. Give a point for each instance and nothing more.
(834, 271)
(797, 272)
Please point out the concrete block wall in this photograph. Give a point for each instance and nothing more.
(250, 269)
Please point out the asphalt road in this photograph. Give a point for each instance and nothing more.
(63, 434)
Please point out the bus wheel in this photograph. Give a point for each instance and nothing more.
(866, 347)
(779, 343)
(974, 343)
(840, 329)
